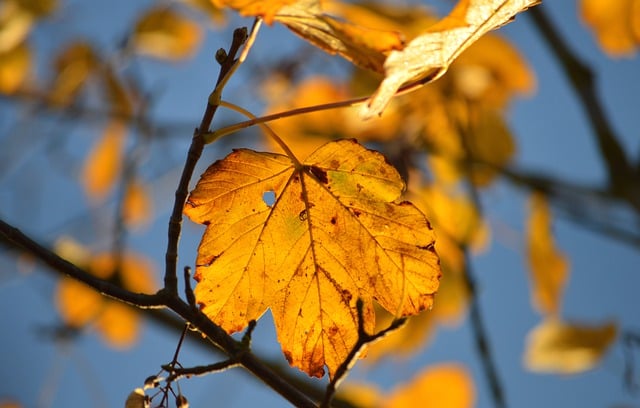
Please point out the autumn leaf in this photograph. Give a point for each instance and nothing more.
(616, 24)
(137, 206)
(102, 165)
(440, 386)
(331, 233)
(73, 66)
(549, 268)
(166, 34)
(80, 305)
(15, 65)
(444, 385)
(366, 47)
(565, 348)
(428, 56)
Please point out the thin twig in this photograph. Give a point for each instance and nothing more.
(364, 338)
(179, 373)
(195, 151)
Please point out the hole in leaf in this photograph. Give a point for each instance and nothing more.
(269, 197)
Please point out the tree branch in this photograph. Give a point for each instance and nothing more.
(14, 238)
(622, 180)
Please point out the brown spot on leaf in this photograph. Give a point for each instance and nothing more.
(319, 174)
(334, 220)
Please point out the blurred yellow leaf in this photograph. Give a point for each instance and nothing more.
(549, 268)
(15, 24)
(15, 65)
(266, 9)
(118, 324)
(73, 67)
(564, 348)
(440, 386)
(491, 71)
(166, 34)
(360, 395)
(102, 165)
(332, 234)
(305, 133)
(616, 24)
(117, 94)
(79, 305)
(208, 8)
(428, 56)
(137, 206)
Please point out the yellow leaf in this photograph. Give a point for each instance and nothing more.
(441, 386)
(9, 404)
(208, 8)
(332, 234)
(616, 24)
(305, 133)
(14, 68)
(565, 348)
(548, 267)
(360, 395)
(166, 34)
(15, 24)
(491, 71)
(73, 67)
(137, 206)
(77, 303)
(118, 324)
(102, 165)
(428, 56)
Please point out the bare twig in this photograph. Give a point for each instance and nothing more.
(364, 338)
(195, 151)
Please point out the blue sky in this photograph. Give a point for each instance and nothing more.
(553, 137)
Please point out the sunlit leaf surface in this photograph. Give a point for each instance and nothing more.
(428, 56)
(549, 268)
(308, 241)
(616, 24)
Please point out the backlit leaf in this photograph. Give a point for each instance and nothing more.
(79, 305)
(14, 68)
(616, 24)
(564, 348)
(549, 268)
(334, 233)
(363, 46)
(166, 34)
(102, 165)
(73, 66)
(137, 207)
(428, 56)
(439, 386)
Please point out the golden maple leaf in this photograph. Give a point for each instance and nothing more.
(331, 234)
(428, 56)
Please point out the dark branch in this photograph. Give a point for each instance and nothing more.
(622, 180)
(15, 239)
